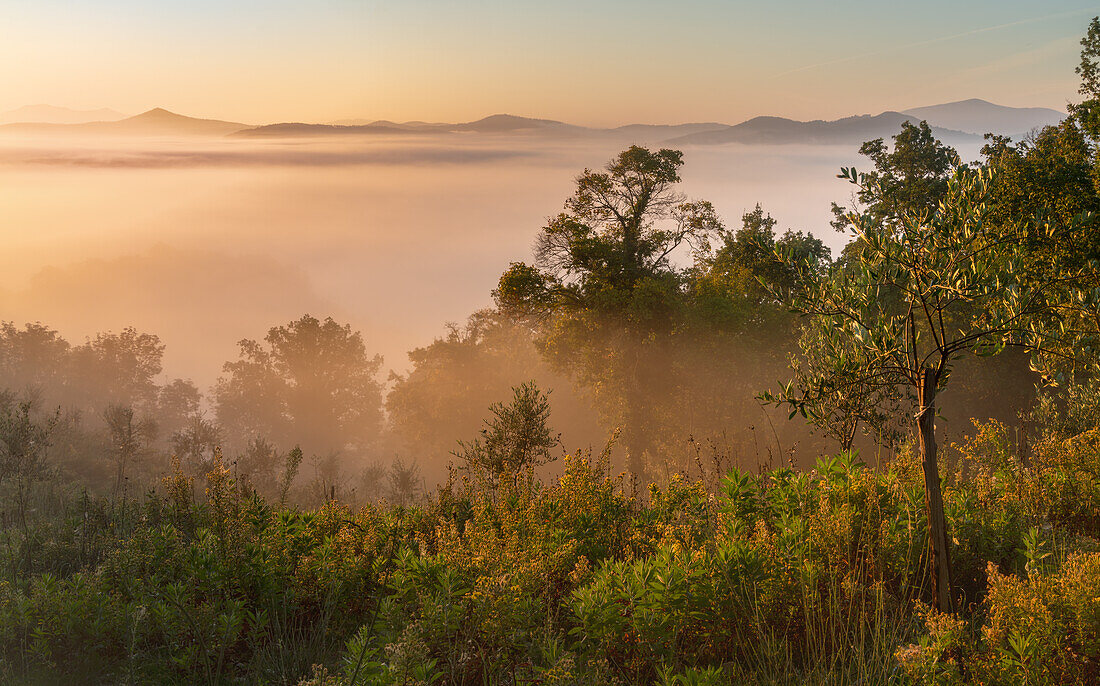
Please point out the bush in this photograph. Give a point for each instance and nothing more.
(778, 577)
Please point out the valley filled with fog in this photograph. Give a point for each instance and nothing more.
(205, 241)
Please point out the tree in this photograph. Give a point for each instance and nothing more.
(257, 466)
(605, 287)
(313, 383)
(735, 338)
(1087, 112)
(32, 358)
(909, 178)
(453, 380)
(196, 443)
(177, 403)
(842, 405)
(518, 436)
(129, 438)
(1053, 175)
(1050, 176)
(24, 441)
(404, 481)
(116, 369)
(927, 290)
(744, 274)
(372, 482)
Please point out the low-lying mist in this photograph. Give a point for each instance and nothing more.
(207, 241)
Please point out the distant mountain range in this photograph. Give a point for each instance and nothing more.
(957, 122)
(298, 130)
(495, 124)
(980, 117)
(960, 121)
(780, 131)
(155, 122)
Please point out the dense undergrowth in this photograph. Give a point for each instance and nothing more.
(781, 577)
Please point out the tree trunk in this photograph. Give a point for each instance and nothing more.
(933, 495)
(634, 428)
(635, 445)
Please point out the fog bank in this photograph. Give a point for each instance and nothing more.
(208, 242)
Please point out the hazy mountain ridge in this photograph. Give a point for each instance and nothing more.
(296, 129)
(962, 121)
(386, 122)
(157, 121)
(782, 131)
(667, 129)
(978, 116)
(493, 124)
(956, 122)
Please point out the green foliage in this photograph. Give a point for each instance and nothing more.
(310, 382)
(24, 442)
(290, 471)
(812, 577)
(1051, 177)
(778, 577)
(453, 380)
(605, 289)
(1088, 111)
(923, 293)
(649, 303)
(404, 481)
(130, 438)
(909, 179)
(743, 274)
(516, 439)
(195, 443)
(116, 369)
(101, 399)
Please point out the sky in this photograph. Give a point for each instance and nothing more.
(584, 61)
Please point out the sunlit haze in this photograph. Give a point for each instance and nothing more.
(594, 63)
(206, 233)
(513, 342)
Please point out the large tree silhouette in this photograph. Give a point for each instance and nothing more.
(310, 382)
(605, 287)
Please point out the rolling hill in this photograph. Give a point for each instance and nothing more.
(955, 123)
(980, 117)
(298, 130)
(494, 124)
(509, 123)
(155, 122)
(781, 131)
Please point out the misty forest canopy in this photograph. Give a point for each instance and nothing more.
(607, 301)
(639, 302)
(309, 381)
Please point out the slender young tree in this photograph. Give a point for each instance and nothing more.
(923, 291)
(130, 437)
(518, 436)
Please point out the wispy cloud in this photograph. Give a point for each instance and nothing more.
(934, 41)
(1020, 60)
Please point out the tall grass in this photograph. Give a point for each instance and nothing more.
(779, 577)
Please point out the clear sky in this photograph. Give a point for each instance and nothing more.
(589, 62)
